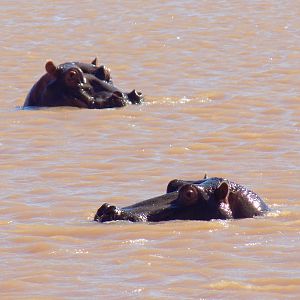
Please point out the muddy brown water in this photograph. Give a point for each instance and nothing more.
(221, 81)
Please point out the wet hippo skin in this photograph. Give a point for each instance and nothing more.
(81, 85)
(206, 199)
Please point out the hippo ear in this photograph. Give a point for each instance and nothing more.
(50, 68)
(222, 192)
(94, 62)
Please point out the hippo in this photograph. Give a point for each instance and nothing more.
(205, 199)
(81, 85)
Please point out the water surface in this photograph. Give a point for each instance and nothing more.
(221, 80)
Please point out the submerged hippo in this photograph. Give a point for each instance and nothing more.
(80, 85)
(206, 199)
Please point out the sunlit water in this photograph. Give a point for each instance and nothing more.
(221, 81)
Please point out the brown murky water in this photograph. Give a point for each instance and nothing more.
(221, 80)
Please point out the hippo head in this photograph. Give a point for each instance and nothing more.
(184, 200)
(81, 85)
(206, 199)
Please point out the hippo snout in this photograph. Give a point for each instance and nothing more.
(106, 212)
(109, 212)
(135, 97)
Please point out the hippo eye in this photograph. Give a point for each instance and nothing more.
(188, 195)
(72, 77)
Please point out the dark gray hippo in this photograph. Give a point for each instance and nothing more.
(80, 85)
(206, 199)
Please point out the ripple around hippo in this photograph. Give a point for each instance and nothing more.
(81, 85)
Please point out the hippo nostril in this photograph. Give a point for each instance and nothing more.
(101, 211)
(138, 95)
(106, 212)
(110, 209)
(135, 97)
